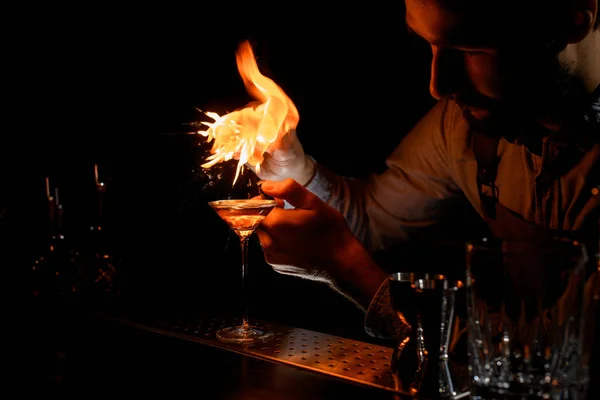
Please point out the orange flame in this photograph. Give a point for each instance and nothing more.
(246, 134)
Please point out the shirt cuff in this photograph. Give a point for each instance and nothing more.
(319, 184)
(381, 320)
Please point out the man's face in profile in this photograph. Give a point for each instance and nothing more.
(498, 64)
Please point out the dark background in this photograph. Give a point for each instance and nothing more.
(116, 87)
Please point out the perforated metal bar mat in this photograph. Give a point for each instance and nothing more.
(352, 360)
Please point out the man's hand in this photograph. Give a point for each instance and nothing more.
(313, 241)
(284, 159)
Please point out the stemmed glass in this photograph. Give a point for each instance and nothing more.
(243, 216)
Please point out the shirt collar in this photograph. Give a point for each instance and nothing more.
(592, 113)
(584, 132)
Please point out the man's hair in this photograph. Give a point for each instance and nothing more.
(551, 8)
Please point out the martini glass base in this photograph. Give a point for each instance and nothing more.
(238, 334)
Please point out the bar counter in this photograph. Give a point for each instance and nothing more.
(110, 353)
(72, 351)
(182, 355)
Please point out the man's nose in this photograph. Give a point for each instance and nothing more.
(447, 72)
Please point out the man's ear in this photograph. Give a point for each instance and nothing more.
(583, 17)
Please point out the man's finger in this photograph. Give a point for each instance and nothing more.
(264, 238)
(292, 192)
(280, 202)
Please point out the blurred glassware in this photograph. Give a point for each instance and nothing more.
(54, 269)
(529, 306)
(97, 273)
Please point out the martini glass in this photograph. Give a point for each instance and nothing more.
(243, 216)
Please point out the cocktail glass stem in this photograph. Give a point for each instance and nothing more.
(243, 216)
(244, 248)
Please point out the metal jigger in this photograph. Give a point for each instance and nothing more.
(420, 361)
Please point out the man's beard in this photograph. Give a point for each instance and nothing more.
(545, 91)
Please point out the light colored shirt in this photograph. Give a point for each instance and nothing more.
(434, 166)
